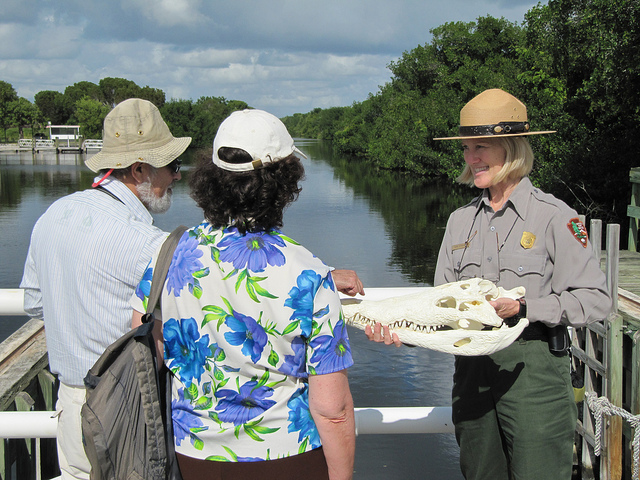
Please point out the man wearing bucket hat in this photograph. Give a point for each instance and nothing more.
(90, 249)
(265, 394)
(514, 411)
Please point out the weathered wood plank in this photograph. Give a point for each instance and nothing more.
(20, 367)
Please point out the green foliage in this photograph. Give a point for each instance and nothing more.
(76, 92)
(7, 95)
(87, 104)
(581, 77)
(179, 117)
(199, 120)
(51, 104)
(22, 112)
(574, 63)
(90, 114)
(114, 90)
(208, 113)
(320, 123)
(395, 128)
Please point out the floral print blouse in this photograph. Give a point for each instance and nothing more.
(247, 318)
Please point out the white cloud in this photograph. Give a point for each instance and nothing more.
(18, 41)
(287, 56)
(208, 58)
(168, 13)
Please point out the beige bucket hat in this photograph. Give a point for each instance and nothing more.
(134, 131)
(493, 113)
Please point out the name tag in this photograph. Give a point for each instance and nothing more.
(466, 244)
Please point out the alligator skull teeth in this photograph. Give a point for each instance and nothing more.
(453, 318)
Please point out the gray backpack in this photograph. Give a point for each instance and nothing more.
(126, 420)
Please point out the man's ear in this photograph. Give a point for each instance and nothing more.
(139, 172)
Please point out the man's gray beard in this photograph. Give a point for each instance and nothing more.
(150, 200)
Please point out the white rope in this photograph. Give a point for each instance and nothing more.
(600, 406)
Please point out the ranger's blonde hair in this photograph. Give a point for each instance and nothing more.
(518, 161)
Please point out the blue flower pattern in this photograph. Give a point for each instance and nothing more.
(270, 317)
(185, 266)
(185, 350)
(248, 403)
(247, 332)
(300, 419)
(253, 251)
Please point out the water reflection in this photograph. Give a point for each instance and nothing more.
(414, 211)
(386, 226)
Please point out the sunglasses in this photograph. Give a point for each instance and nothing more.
(175, 165)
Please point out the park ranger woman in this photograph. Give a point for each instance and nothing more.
(514, 411)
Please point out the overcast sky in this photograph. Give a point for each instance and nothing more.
(281, 56)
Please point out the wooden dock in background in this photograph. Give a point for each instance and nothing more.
(606, 356)
(629, 271)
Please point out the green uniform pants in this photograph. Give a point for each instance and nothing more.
(515, 414)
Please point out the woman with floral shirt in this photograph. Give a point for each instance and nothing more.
(252, 325)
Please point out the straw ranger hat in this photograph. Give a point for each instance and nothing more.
(262, 135)
(134, 131)
(493, 113)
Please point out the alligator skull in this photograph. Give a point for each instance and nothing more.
(453, 318)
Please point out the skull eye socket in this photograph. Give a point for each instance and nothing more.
(464, 306)
(447, 302)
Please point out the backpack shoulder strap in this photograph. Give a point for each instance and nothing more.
(162, 267)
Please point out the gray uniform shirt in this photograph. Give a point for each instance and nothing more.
(534, 241)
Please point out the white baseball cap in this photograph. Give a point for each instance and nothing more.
(259, 133)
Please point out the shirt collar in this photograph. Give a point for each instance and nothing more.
(125, 194)
(518, 200)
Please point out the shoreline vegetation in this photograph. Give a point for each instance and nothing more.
(574, 63)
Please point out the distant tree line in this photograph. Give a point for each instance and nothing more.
(574, 63)
(86, 104)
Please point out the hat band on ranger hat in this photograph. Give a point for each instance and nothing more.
(502, 128)
(493, 113)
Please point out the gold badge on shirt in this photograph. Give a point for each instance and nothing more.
(527, 240)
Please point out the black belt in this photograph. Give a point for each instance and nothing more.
(535, 331)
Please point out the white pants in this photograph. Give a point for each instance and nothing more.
(71, 457)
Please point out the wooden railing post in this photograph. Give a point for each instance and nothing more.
(633, 209)
(613, 450)
(595, 235)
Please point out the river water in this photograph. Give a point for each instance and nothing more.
(386, 226)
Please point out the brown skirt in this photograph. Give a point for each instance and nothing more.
(310, 466)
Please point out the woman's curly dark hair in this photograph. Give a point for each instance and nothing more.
(250, 201)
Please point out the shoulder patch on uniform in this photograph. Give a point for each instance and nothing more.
(578, 230)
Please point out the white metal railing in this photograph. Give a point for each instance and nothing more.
(25, 143)
(11, 302)
(45, 144)
(92, 144)
(369, 420)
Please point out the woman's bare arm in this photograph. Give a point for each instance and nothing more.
(331, 407)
